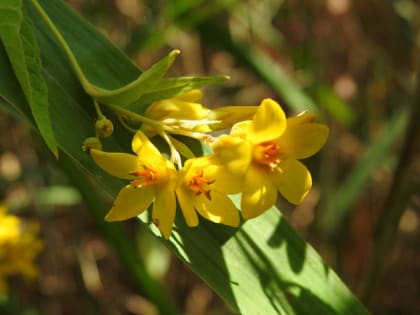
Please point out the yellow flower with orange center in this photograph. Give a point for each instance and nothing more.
(203, 185)
(271, 165)
(152, 180)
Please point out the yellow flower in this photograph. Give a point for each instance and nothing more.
(230, 115)
(152, 179)
(19, 247)
(180, 112)
(271, 164)
(203, 185)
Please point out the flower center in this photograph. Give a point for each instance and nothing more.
(200, 185)
(267, 153)
(145, 178)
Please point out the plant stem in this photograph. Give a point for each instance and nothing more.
(98, 109)
(129, 114)
(404, 185)
(62, 42)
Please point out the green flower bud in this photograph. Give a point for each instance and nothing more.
(91, 143)
(104, 127)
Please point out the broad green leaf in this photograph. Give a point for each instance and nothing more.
(16, 32)
(264, 267)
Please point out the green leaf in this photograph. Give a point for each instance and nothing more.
(16, 32)
(134, 90)
(263, 267)
(170, 87)
(264, 65)
(344, 197)
(334, 105)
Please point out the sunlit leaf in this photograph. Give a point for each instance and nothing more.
(17, 35)
(348, 193)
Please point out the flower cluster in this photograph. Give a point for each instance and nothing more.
(19, 246)
(258, 158)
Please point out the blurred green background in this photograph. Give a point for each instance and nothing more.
(351, 62)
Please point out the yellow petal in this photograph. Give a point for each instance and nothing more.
(130, 202)
(141, 142)
(188, 110)
(230, 115)
(302, 141)
(210, 168)
(234, 153)
(259, 192)
(295, 181)
(190, 96)
(269, 122)
(177, 108)
(302, 118)
(242, 129)
(117, 164)
(148, 154)
(219, 209)
(164, 209)
(185, 200)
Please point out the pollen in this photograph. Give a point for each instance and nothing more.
(200, 185)
(144, 178)
(267, 153)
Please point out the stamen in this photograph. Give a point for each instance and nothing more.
(267, 153)
(188, 124)
(199, 185)
(188, 133)
(175, 156)
(147, 177)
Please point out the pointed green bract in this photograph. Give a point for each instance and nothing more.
(17, 36)
(170, 87)
(134, 90)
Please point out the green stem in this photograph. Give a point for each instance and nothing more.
(125, 125)
(62, 42)
(98, 109)
(134, 116)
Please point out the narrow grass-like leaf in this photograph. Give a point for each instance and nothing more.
(17, 35)
(346, 195)
(264, 267)
(264, 66)
(334, 105)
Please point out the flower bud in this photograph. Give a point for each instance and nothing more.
(91, 143)
(104, 127)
